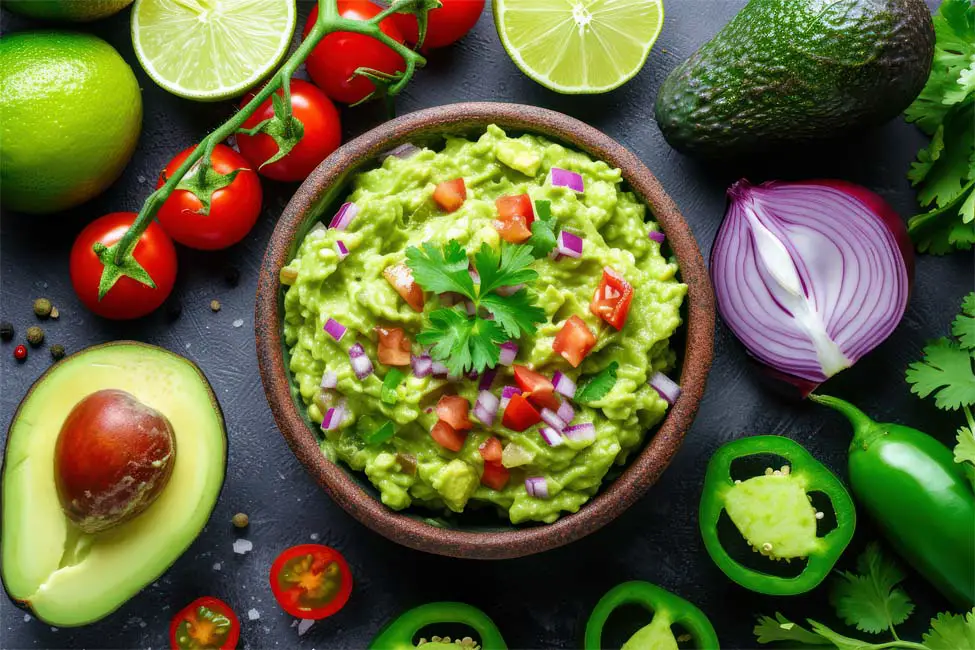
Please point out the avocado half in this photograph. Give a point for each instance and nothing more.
(70, 578)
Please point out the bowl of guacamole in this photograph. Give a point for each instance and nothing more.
(484, 328)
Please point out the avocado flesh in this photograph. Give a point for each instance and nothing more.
(789, 71)
(71, 578)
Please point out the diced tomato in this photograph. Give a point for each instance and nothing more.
(537, 388)
(495, 475)
(394, 346)
(448, 437)
(491, 450)
(401, 277)
(515, 217)
(612, 299)
(519, 414)
(450, 195)
(574, 341)
(453, 409)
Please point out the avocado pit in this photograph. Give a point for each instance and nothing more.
(113, 457)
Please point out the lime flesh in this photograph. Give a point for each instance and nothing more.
(579, 46)
(211, 49)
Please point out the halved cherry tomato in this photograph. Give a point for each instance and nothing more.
(537, 388)
(447, 437)
(491, 450)
(394, 347)
(495, 475)
(445, 25)
(519, 414)
(450, 195)
(401, 278)
(454, 409)
(515, 217)
(612, 299)
(574, 341)
(207, 622)
(311, 581)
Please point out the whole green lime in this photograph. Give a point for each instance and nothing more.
(79, 11)
(70, 117)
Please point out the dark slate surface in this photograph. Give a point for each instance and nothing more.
(539, 602)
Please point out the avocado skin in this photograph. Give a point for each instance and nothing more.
(790, 71)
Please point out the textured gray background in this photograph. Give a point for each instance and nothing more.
(538, 602)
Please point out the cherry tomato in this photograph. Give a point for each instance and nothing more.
(490, 450)
(322, 134)
(495, 475)
(450, 195)
(311, 581)
(515, 217)
(537, 389)
(128, 298)
(401, 277)
(394, 346)
(207, 622)
(445, 25)
(447, 437)
(334, 60)
(454, 409)
(612, 299)
(574, 341)
(519, 414)
(233, 209)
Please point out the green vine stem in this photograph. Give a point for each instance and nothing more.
(120, 262)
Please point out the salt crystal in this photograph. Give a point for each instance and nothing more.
(253, 614)
(305, 625)
(239, 322)
(242, 546)
(26, 618)
(216, 566)
(314, 537)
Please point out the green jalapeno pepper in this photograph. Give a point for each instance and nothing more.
(398, 635)
(668, 609)
(774, 513)
(918, 495)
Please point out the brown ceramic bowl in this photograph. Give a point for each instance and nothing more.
(488, 538)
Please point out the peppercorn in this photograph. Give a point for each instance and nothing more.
(42, 308)
(231, 276)
(6, 331)
(35, 335)
(20, 353)
(241, 520)
(215, 305)
(57, 352)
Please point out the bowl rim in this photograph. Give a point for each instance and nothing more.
(615, 496)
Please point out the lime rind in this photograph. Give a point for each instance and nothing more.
(579, 46)
(209, 50)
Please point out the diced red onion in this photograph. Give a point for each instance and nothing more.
(569, 244)
(585, 432)
(449, 298)
(472, 374)
(487, 379)
(361, 363)
(537, 487)
(564, 178)
(552, 419)
(566, 413)
(344, 216)
(342, 249)
(507, 393)
(439, 369)
(551, 437)
(810, 276)
(334, 417)
(329, 380)
(555, 255)
(402, 151)
(509, 291)
(509, 350)
(657, 236)
(666, 386)
(475, 276)
(422, 365)
(563, 384)
(486, 407)
(335, 329)
(470, 308)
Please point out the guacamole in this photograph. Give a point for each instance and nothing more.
(396, 210)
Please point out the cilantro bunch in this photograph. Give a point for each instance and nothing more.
(945, 171)
(946, 371)
(460, 341)
(871, 601)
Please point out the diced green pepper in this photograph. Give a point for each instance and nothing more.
(392, 381)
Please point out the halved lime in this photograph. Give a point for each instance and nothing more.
(211, 49)
(579, 46)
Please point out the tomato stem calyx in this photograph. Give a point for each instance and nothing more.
(118, 263)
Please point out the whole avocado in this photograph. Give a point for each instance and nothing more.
(790, 71)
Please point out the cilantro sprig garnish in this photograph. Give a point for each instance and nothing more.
(543, 239)
(598, 386)
(947, 371)
(460, 341)
(871, 601)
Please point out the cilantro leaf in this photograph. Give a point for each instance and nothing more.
(946, 371)
(439, 270)
(951, 632)
(871, 601)
(944, 168)
(948, 228)
(515, 313)
(599, 386)
(509, 268)
(963, 327)
(770, 630)
(965, 451)
(543, 239)
(485, 344)
(840, 641)
(462, 343)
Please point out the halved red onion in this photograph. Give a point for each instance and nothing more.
(342, 249)
(566, 413)
(810, 276)
(507, 393)
(486, 407)
(551, 437)
(329, 380)
(439, 369)
(665, 386)
(537, 487)
(510, 290)
(487, 379)
(569, 244)
(344, 216)
(361, 364)
(552, 419)
(334, 417)
(335, 329)
(403, 151)
(657, 236)
(585, 432)
(509, 350)
(563, 384)
(564, 178)
(422, 365)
